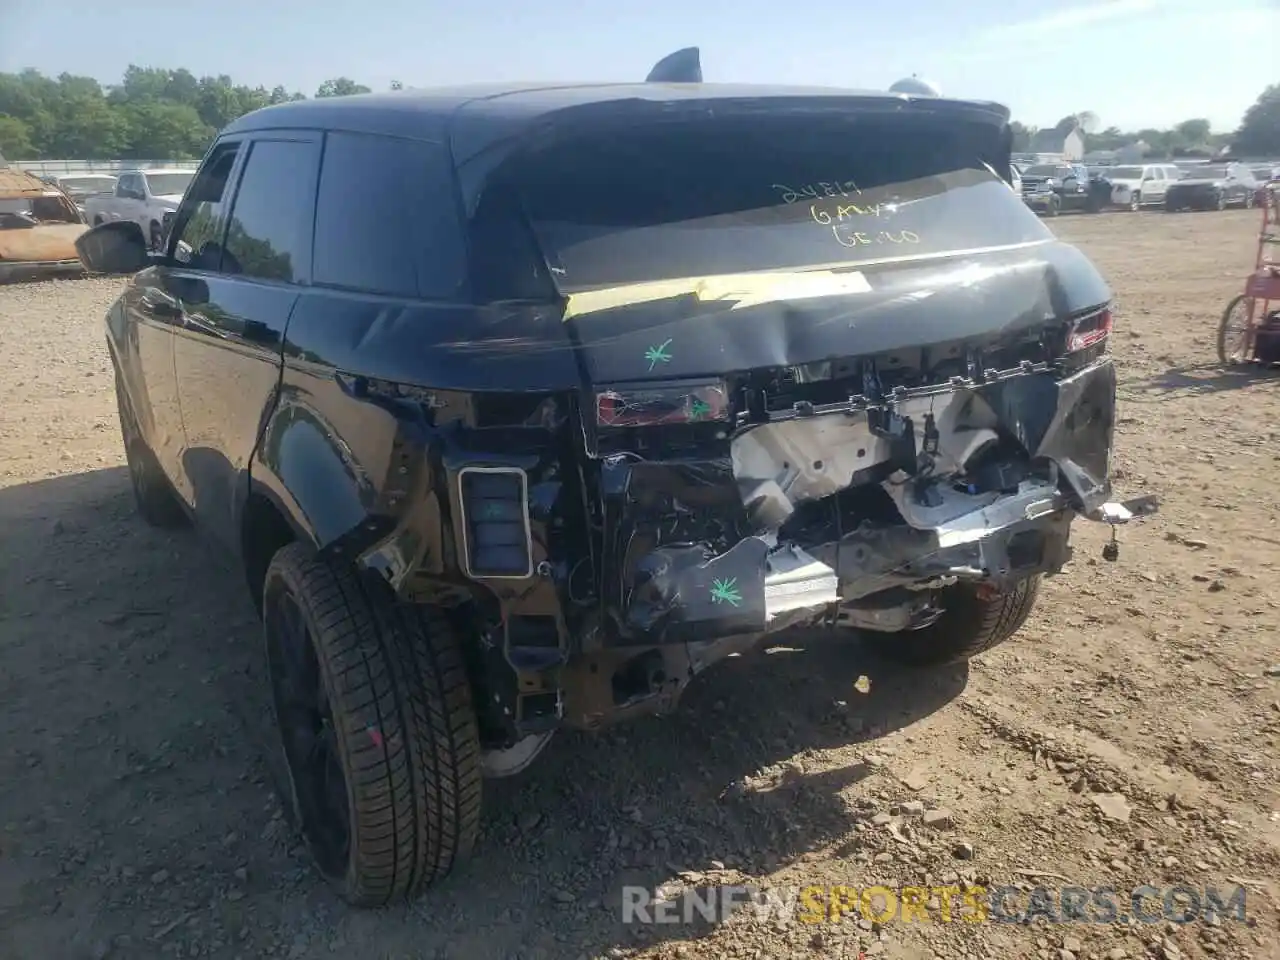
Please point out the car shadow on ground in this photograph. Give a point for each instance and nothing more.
(1202, 378)
(144, 797)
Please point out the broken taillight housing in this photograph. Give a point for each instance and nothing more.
(1089, 330)
(642, 405)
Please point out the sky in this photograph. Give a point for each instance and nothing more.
(1135, 63)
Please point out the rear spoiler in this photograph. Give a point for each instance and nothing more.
(683, 66)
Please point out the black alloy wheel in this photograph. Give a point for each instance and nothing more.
(306, 723)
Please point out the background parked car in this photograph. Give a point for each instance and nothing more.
(143, 196)
(1264, 174)
(1050, 188)
(1139, 185)
(81, 186)
(39, 226)
(1212, 186)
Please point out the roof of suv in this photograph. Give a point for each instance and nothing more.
(427, 114)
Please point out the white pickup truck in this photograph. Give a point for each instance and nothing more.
(143, 196)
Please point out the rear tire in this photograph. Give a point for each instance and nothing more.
(157, 503)
(969, 626)
(380, 739)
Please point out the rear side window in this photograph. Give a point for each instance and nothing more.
(269, 234)
(782, 191)
(386, 218)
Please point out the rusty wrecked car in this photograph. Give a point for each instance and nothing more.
(521, 406)
(39, 226)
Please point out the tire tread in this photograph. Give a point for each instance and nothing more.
(407, 731)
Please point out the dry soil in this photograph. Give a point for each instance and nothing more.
(1126, 737)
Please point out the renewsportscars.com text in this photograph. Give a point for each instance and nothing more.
(1179, 903)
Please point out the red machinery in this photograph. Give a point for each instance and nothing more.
(1250, 327)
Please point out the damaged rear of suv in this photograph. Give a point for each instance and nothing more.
(649, 373)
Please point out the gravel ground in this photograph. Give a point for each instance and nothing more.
(1127, 737)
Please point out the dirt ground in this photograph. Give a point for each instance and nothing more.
(1126, 737)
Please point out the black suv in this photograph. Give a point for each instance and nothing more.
(522, 406)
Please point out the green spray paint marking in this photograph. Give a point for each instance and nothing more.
(699, 408)
(726, 591)
(492, 511)
(658, 354)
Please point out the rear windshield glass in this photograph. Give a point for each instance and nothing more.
(725, 196)
(169, 184)
(84, 185)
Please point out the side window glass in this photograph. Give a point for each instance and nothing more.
(197, 236)
(269, 233)
(126, 185)
(386, 218)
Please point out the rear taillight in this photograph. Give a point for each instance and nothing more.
(1089, 330)
(644, 405)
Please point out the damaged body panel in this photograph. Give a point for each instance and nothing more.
(39, 226)
(596, 386)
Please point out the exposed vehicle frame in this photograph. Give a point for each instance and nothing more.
(550, 496)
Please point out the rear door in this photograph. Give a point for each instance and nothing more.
(238, 294)
(1166, 176)
(121, 205)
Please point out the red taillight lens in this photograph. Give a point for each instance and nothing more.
(1089, 330)
(644, 406)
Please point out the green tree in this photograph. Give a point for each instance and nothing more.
(1194, 132)
(1259, 133)
(1066, 124)
(15, 139)
(171, 131)
(340, 87)
(1021, 136)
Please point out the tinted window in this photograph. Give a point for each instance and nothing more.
(720, 195)
(269, 233)
(386, 218)
(198, 228)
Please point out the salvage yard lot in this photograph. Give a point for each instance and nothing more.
(136, 818)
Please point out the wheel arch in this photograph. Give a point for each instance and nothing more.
(300, 486)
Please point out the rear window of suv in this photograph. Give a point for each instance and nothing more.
(781, 192)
